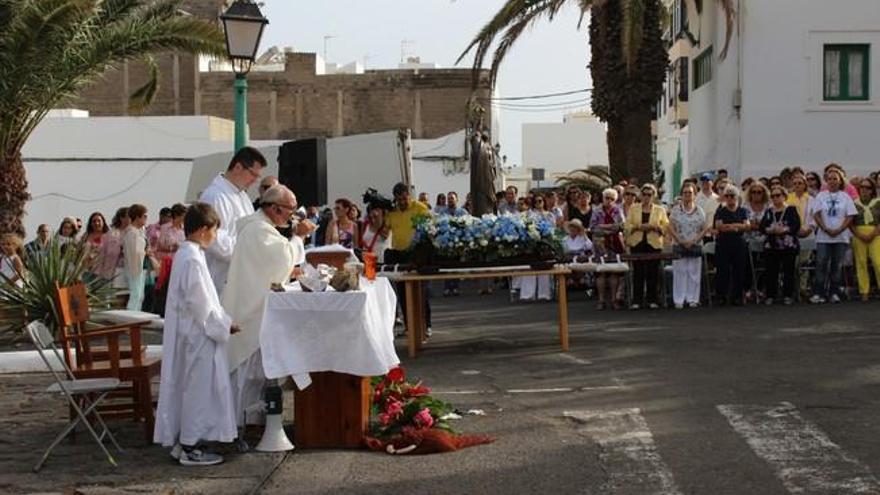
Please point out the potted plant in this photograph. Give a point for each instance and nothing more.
(34, 299)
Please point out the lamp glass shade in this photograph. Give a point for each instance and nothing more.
(243, 37)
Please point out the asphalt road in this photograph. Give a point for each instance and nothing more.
(750, 400)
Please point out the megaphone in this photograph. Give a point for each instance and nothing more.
(274, 438)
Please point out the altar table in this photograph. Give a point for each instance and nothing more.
(330, 343)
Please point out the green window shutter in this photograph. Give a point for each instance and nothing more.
(846, 72)
(703, 68)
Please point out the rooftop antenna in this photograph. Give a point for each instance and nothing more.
(403, 44)
(327, 37)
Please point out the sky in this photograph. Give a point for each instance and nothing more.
(550, 58)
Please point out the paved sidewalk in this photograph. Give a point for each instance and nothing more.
(693, 401)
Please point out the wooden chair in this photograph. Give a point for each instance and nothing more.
(127, 362)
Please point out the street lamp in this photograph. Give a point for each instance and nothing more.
(243, 24)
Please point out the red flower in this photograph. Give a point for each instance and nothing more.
(377, 393)
(384, 419)
(423, 419)
(418, 391)
(396, 375)
(393, 408)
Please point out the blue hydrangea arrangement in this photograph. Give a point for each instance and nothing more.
(489, 238)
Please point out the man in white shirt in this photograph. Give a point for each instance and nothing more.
(831, 213)
(262, 257)
(707, 200)
(508, 206)
(227, 193)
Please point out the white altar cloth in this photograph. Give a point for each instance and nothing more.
(346, 332)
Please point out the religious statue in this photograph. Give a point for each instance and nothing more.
(482, 166)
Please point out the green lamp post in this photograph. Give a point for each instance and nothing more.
(243, 24)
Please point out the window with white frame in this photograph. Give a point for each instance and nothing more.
(846, 72)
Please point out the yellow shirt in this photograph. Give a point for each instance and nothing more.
(401, 224)
(801, 204)
(657, 218)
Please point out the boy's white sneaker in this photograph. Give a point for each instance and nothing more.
(835, 299)
(197, 457)
(176, 451)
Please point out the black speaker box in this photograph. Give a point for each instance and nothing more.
(302, 167)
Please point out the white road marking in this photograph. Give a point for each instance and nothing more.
(575, 360)
(463, 392)
(539, 390)
(628, 453)
(804, 458)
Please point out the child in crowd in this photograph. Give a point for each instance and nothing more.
(195, 396)
(11, 267)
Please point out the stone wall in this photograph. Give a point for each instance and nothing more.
(297, 102)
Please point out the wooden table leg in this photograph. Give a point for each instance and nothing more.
(411, 320)
(563, 311)
(421, 314)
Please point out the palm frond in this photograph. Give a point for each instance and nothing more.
(512, 19)
(730, 14)
(54, 48)
(143, 96)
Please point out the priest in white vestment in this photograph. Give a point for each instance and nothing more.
(262, 257)
(195, 395)
(227, 193)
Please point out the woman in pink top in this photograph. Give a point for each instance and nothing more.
(171, 234)
(110, 257)
(91, 240)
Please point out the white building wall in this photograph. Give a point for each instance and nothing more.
(778, 65)
(559, 148)
(713, 122)
(77, 165)
(785, 121)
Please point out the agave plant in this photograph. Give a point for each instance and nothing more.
(64, 264)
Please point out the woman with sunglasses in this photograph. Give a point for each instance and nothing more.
(814, 183)
(866, 236)
(607, 225)
(756, 203)
(800, 198)
(342, 229)
(645, 226)
(832, 212)
(781, 225)
(731, 221)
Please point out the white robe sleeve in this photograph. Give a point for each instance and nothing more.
(224, 245)
(203, 305)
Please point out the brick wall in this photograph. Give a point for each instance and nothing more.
(295, 103)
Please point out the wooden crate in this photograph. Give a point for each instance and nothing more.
(336, 260)
(333, 412)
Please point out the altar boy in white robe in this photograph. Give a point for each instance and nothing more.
(262, 257)
(195, 396)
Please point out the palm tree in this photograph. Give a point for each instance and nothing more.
(593, 178)
(51, 49)
(628, 66)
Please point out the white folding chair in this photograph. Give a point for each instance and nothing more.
(84, 395)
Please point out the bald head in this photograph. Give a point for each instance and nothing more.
(267, 183)
(279, 203)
